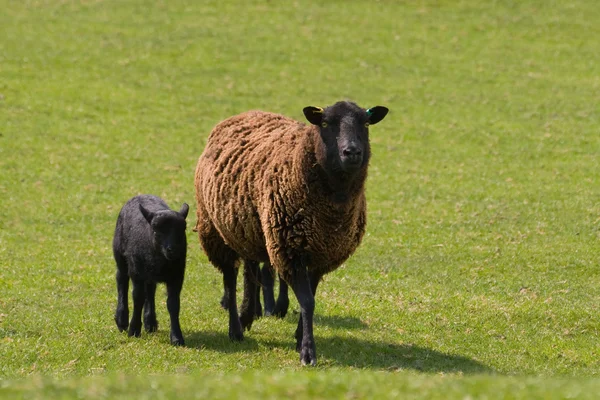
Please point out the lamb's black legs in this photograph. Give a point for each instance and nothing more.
(229, 282)
(150, 322)
(139, 296)
(122, 312)
(173, 302)
(303, 287)
(251, 289)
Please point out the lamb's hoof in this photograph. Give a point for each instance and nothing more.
(177, 341)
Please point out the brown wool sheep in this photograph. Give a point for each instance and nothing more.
(272, 189)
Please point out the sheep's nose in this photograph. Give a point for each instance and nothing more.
(352, 151)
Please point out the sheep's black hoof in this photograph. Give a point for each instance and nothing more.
(122, 321)
(246, 320)
(308, 355)
(134, 332)
(281, 309)
(236, 336)
(177, 341)
(225, 302)
(151, 326)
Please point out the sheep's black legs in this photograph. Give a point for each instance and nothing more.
(251, 288)
(314, 282)
(266, 280)
(283, 301)
(122, 312)
(150, 322)
(225, 298)
(301, 285)
(229, 281)
(138, 295)
(173, 302)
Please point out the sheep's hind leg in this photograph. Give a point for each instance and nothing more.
(150, 322)
(122, 312)
(266, 281)
(230, 280)
(225, 299)
(248, 308)
(173, 306)
(135, 325)
(283, 301)
(301, 284)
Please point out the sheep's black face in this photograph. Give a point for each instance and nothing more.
(168, 228)
(344, 130)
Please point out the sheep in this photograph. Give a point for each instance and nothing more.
(272, 189)
(149, 246)
(265, 277)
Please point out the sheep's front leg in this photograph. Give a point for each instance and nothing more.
(139, 296)
(150, 322)
(173, 306)
(302, 289)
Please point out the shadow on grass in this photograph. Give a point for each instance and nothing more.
(219, 341)
(391, 356)
(337, 321)
(351, 352)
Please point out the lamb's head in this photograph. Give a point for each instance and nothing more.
(168, 228)
(344, 129)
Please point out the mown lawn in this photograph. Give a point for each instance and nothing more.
(478, 275)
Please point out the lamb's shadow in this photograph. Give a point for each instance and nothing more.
(219, 341)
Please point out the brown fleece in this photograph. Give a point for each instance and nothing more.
(263, 195)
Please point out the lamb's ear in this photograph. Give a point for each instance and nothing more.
(184, 210)
(314, 115)
(376, 114)
(149, 215)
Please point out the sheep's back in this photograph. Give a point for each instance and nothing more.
(235, 170)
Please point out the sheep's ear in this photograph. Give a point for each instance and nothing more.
(314, 115)
(184, 210)
(376, 114)
(149, 215)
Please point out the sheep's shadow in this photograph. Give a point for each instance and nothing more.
(361, 353)
(338, 321)
(351, 352)
(219, 341)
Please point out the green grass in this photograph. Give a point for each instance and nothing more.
(479, 272)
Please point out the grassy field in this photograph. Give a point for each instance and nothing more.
(479, 272)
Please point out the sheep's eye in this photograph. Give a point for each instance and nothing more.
(324, 124)
(366, 124)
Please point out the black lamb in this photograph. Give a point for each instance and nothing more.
(149, 246)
